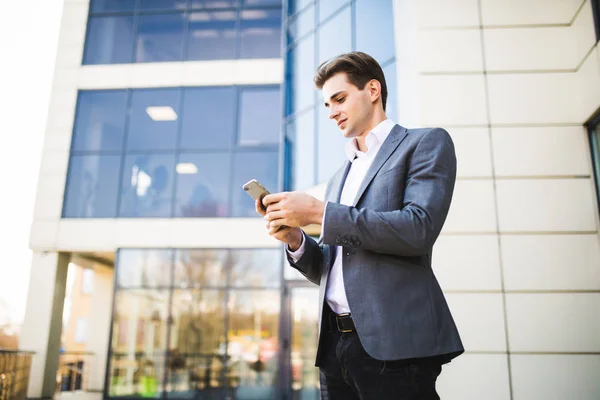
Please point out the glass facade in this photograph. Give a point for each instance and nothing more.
(137, 31)
(196, 324)
(172, 152)
(317, 31)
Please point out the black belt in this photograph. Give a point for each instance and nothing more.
(341, 322)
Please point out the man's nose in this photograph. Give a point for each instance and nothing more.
(333, 112)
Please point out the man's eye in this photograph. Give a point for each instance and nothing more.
(341, 100)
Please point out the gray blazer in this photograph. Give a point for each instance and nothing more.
(387, 237)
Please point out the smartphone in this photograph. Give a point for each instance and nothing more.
(255, 190)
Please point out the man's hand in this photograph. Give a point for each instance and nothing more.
(290, 236)
(293, 209)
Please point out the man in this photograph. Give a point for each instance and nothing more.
(385, 327)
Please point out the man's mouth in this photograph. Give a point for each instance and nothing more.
(340, 122)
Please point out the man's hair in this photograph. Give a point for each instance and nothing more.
(358, 66)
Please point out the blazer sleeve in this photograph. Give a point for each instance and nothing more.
(311, 263)
(412, 230)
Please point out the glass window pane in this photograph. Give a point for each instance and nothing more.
(377, 40)
(209, 118)
(331, 143)
(328, 7)
(197, 344)
(256, 268)
(253, 3)
(301, 134)
(335, 36)
(92, 187)
(260, 116)
(147, 188)
(301, 24)
(213, 3)
(162, 5)
(144, 268)
(203, 185)
(109, 40)
(99, 6)
(139, 343)
(160, 38)
(297, 5)
(253, 342)
(392, 100)
(302, 68)
(200, 268)
(153, 119)
(100, 122)
(260, 34)
(262, 166)
(212, 35)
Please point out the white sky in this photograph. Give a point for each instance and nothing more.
(28, 41)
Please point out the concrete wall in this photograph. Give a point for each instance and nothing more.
(519, 258)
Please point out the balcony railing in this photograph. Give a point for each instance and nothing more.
(15, 366)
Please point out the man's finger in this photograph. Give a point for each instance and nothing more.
(259, 207)
(273, 215)
(272, 198)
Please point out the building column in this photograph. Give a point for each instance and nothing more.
(99, 325)
(42, 325)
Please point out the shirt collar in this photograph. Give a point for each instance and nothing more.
(374, 138)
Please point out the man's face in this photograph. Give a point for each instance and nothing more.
(350, 107)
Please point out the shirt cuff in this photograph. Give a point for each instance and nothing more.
(296, 255)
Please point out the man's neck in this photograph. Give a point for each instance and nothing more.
(376, 120)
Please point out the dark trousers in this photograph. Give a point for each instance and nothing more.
(349, 373)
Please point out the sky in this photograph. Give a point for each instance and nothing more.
(28, 42)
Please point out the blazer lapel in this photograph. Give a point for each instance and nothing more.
(396, 136)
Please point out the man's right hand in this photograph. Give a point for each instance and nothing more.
(290, 236)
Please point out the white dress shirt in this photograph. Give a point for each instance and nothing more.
(335, 293)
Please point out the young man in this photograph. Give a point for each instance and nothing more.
(385, 327)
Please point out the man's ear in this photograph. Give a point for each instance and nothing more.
(374, 89)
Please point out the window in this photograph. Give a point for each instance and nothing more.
(81, 330)
(210, 313)
(170, 152)
(132, 31)
(87, 281)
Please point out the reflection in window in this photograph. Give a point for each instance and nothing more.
(98, 6)
(253, 342)
(301, 134)
(200, 268)
(260, 117)
(147, 187)
(302, 67)
(335, 36)
(369, 36)
(260, 34)
(255, 268)
(197, 342)
(203, 185)
(153, 120)
(262, 166)
(160, 38)
(162, 5)
(301, 24)
(100, 122)
(139, 340)
(144, 268)
(109, 40)
(207, 121)
(91, 189)
(212, 36)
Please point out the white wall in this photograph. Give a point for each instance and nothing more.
(519, 257)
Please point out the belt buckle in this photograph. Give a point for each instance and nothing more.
(337, 322)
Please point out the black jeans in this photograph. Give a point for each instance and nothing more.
(349, 373)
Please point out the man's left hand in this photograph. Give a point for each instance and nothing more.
(293, 209)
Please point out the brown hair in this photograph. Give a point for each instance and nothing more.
(358, 66)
